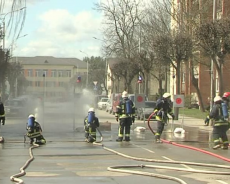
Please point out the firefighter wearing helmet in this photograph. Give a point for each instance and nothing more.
(91, 122)
(220, 124)
(125, 114)
(34, 131)
(162, 109)
(225, 101)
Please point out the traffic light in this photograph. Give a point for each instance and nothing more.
(78, 79)
(140, 79)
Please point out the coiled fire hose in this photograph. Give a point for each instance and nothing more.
(123, 168)
(22, 172)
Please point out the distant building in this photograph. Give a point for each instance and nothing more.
(49, 76)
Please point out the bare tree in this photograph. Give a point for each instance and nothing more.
(214, 40)
(14, 27)
(122, 20)
(127, 70)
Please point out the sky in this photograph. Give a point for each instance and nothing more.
(60, 28)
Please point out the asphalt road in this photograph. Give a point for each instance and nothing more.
(66, 158)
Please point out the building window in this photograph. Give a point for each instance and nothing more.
(54, 73)
(217, 84)
(183, 77)
(37, 83)
(30, 73)
(45, 73)
(68, 73)
(61, 84)
(60, 73)
(219, 5)
(38, 73)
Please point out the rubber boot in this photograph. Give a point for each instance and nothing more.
(119, 139)
(127, 139)
(225, 146)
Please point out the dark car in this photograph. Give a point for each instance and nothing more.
(144, 113)
(19, 107)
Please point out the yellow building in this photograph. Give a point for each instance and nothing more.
(51, 77)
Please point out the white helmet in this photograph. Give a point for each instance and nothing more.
(91, 110)
(217, 98)
(124, 94)
(166, 95)
(31, 116)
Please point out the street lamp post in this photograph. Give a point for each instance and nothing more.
(87, 77)
(44, 95)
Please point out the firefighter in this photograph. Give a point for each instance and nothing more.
(162, 109)
(225, 100)
(2, 118)
(91, 122)
(34, 131)
(220, 124)
(2, 113)
(125, 114)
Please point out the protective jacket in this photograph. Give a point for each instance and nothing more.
(162, 109)
(35, 131)
(122, 109)
(217, 115)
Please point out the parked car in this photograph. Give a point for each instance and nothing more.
(144, 113)
(97, 99)
(102, 103)
(109, 107)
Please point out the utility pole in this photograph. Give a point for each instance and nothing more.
(212, 81)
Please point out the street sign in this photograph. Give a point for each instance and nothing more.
(139, 100)
(178, 101)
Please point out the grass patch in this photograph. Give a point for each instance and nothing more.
(194, 113)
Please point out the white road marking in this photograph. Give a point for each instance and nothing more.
(180, 164)
(221, 182)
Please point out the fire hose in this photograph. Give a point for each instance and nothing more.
(123, 168)
(22, 172)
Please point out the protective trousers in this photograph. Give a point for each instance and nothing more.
(90, 133)
(160, 128)
(124, 127)
(2, 120)
(219, 134)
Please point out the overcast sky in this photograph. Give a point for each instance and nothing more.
(59, 28)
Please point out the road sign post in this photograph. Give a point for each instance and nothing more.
(139, 100)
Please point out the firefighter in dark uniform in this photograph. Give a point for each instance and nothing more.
(126, 115)
(2, 117)
(220, 124)
(2, 113)
(162, 109)
(91, 122)
(34, 131)
(225, 99)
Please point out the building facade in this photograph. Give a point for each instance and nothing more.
(206, 11)
(51, 77)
